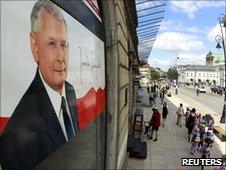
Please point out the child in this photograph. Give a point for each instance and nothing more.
(195, 140)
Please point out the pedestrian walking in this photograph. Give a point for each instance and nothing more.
(197, 91)
(195, 140)
(155, 121)
(151, 98)
(191, 122)
(187, 114)
(148, 88)
(162, 96)
(164, 113)
(176, 89)
(180, 113)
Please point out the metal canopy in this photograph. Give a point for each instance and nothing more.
(150, 14)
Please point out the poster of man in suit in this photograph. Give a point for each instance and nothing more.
(38, 126)
(45, 111)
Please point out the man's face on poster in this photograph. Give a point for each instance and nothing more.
(50, 50)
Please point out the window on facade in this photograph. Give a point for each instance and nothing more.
(203, 74)
(199, 74)
(210, 75)
(191, 74)
(126, 97)
(207, 75)
(213, 75)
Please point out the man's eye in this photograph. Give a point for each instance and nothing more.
(64, 46)
(52, 44)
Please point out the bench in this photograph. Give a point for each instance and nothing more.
(220, 133)
(136, 147)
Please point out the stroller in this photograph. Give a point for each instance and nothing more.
(147, 128)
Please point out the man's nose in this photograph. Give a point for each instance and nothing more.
(60, 57)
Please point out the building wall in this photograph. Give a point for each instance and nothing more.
(145, 74)
(119, 60)
(187, 75)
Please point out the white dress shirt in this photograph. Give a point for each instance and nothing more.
(55, 99)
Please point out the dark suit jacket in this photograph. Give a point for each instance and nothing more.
(33, 131)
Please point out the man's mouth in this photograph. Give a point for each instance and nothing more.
(60, 70)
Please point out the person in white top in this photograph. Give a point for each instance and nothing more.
(180, 114)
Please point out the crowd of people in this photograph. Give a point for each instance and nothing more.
(200, 132)
(200, 128)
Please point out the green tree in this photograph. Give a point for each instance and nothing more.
(172, 73)
(154, 74)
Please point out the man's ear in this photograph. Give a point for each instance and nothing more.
(34, 48)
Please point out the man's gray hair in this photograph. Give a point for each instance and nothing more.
(40, 7)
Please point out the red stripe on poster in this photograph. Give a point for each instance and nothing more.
(90, 2)
(90, 106)
(3, 123)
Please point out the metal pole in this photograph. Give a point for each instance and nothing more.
(222, 120)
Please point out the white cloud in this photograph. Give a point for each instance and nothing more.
(175, 25)
(172, 25)
(177, 42)
(184, 59)
(209, 4)
(191, 59)
(194, 29)
(161, 63)
(192, 7)
(214, 31)
(188, 7)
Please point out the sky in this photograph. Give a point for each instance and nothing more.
(187, 32)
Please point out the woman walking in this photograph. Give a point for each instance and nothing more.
(155, 121)
(191, 122)
(164, 113)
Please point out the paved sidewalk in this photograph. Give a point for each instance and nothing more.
(172, 143)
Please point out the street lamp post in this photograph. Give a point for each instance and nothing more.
(220, 39)
(177, 68)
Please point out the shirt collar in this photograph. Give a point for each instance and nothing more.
(54, 96)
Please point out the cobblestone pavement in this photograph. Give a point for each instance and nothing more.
(172, 143)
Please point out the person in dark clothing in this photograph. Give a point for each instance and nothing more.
(191, 122)
(155, 121)
(148, 88)
(164, 113)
